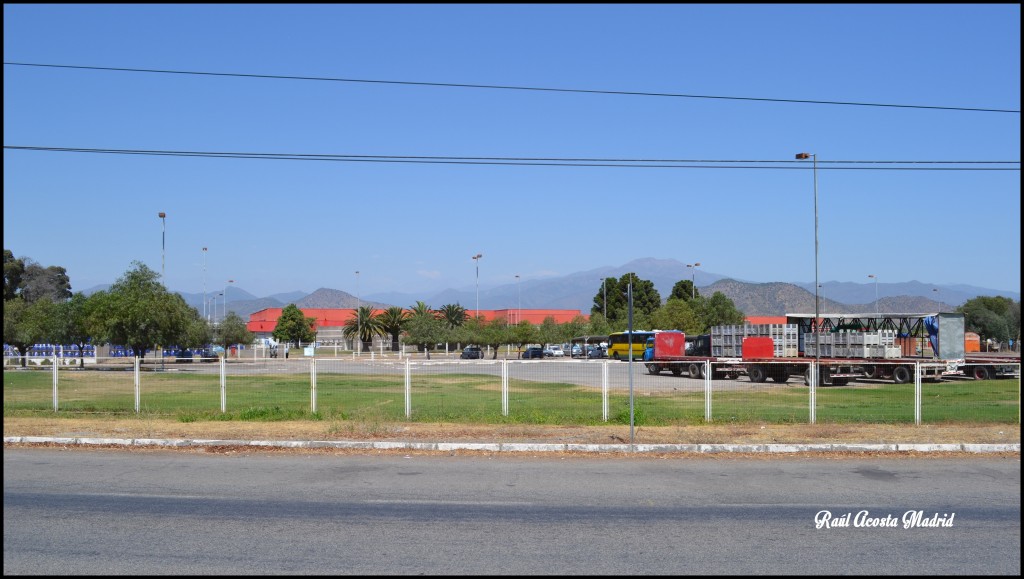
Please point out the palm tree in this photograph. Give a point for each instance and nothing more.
(363, 325)
(453, 315)
(424, 327)
(392, 322)
(420, 309)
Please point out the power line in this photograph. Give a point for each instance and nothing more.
(508, 87)
(542, 161)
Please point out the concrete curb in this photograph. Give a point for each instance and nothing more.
(522, 447)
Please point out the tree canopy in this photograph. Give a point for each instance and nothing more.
(293, 326)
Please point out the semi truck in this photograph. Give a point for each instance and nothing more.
(845, 347)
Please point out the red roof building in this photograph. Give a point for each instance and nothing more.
(263, 322)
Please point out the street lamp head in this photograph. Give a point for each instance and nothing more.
(478, 256)
(803, 156)
(161, 215)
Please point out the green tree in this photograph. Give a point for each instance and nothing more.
(646, 300)
(423, 329)
(495, 334)
(717, 310)
(576, 327)
(549, 332)
(13, 270)
(27, 324)
(523, 333)
(598, 326)
(392, 323)
(684, 290)
(363, 325)
(140, 313)
(39, 282)
(421, 309)
(198, 334)
(992, 317)
(231, 331)
(293, 326)
(678, 314)
(453, 315)
(73, 323)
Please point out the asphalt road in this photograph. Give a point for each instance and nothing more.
(161, 512)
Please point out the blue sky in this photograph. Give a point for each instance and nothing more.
(285, 225)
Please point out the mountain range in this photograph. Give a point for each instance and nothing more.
(576, 291)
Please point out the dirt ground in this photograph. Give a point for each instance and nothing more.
(150, 427)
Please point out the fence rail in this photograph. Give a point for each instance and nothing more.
(549, 391)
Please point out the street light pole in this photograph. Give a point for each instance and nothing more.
(519, 312)
(163, 247)
(204, 286)
(359, 319)
(875, 277)
(817, 306)
(230, 281)
(476, 259)
(693, 279)
(604, 289)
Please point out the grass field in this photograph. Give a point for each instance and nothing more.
(477, 399)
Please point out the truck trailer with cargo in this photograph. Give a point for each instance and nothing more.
(845, 347)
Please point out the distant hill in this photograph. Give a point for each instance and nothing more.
(330, 298)
(577, 291)
(777, 299)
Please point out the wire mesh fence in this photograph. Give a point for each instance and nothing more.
(497, 391)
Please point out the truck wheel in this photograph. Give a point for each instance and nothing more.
(677, 370)
(615, 355)
(871, 371)
(757, 374)
(901, 374)
(824, 377)
(695, 370)
(654, 369)
(981, 372)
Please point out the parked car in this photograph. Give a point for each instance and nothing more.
(532, 352)
(596, 352)
(472, 353)
(576, 351)
(557, 351)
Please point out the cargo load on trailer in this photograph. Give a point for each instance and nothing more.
(845, 347)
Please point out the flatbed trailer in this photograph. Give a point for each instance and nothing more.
(986, 367)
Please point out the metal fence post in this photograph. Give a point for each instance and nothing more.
(604, 390)
(707, 390)
(55, 383)
(223, 384)
(408, 387)
(138, 383)
(312, 385)
(813, 390)
(504, 387)
(917, 393)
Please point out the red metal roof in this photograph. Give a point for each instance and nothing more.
(265, 320)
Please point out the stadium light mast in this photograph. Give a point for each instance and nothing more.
(817, 306)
